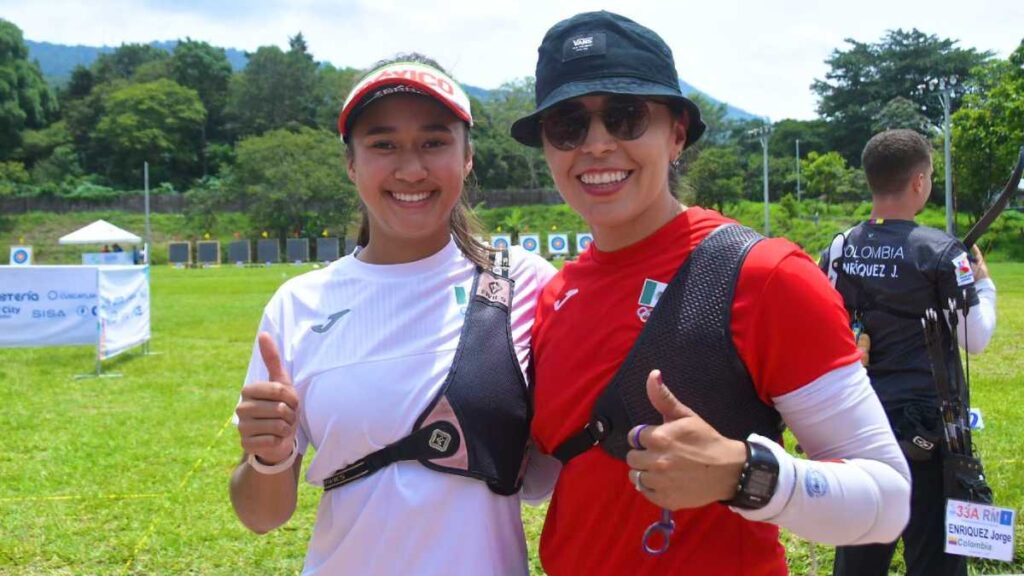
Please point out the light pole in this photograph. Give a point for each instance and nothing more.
(145, 185)
(762, 134)
(944, 88)
(798, 170)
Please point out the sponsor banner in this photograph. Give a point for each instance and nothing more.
(123, 308)
(501, 241)
(47, 306)
(107, 259)
(979, 531)
(530, 243)
(21, 255)
(583, 241)
(558, 243)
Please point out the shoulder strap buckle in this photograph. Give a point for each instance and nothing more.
(501, 263)
(595, 431)
(592, 434)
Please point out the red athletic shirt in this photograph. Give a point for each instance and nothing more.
(789, 328)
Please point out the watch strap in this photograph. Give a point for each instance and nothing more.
(758, 479)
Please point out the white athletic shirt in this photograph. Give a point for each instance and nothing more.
(386, 337)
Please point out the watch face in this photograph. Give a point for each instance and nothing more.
(760, 483)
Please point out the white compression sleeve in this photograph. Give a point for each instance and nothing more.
(540, 476)
(976, 332)
(855, 489)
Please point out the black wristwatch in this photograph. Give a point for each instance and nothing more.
(758, 479)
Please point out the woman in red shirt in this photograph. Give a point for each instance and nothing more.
(613, 122)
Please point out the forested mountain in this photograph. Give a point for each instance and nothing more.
(58, 60)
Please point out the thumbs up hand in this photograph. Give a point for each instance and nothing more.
(683, 463)
(268, 411)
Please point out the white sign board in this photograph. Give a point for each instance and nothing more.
(558, 243)
(106, 306)
(530, 243)
(48, 306)
(979, 531)
(21, 255)
(123, 308)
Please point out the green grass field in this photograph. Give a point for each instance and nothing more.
(129, 475)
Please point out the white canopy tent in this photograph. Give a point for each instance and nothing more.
(100, 232)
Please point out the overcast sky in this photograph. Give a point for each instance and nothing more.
(759, 56)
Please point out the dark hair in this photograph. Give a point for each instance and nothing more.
(463, 223)
(892, 158)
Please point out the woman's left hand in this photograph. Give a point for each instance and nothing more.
(683, 463)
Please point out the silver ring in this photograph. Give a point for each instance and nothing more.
(638, 483)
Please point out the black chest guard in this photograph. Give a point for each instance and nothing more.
(478, 425)
(688, 338)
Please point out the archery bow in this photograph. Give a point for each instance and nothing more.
(998, 206)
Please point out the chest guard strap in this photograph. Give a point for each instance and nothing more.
(688, 338)
(478, 425)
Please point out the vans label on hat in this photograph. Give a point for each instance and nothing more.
(589, 44)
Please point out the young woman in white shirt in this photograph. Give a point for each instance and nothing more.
(352, 358)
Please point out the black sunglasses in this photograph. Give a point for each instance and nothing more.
(625, 118)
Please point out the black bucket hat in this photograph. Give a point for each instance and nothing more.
(603, 53)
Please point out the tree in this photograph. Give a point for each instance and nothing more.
(82, 115)
(205, 69)
(124, 61)
(781, 176)
(827, 176)
(719, 127)
(276, 89)
(812, 134)
(159, 122)
(37, 145)
(293, 182)
(205, 201)
(901, 113)
(59, 167)
(739, 135)
(12, 176)
(25, 99)
(79, 85)
(501, 162)
(865, 77)
(332, 86)
(152, 71)
(716, 177)
(84, 97)
(989, 131)
(514, 223)
(80, 111)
